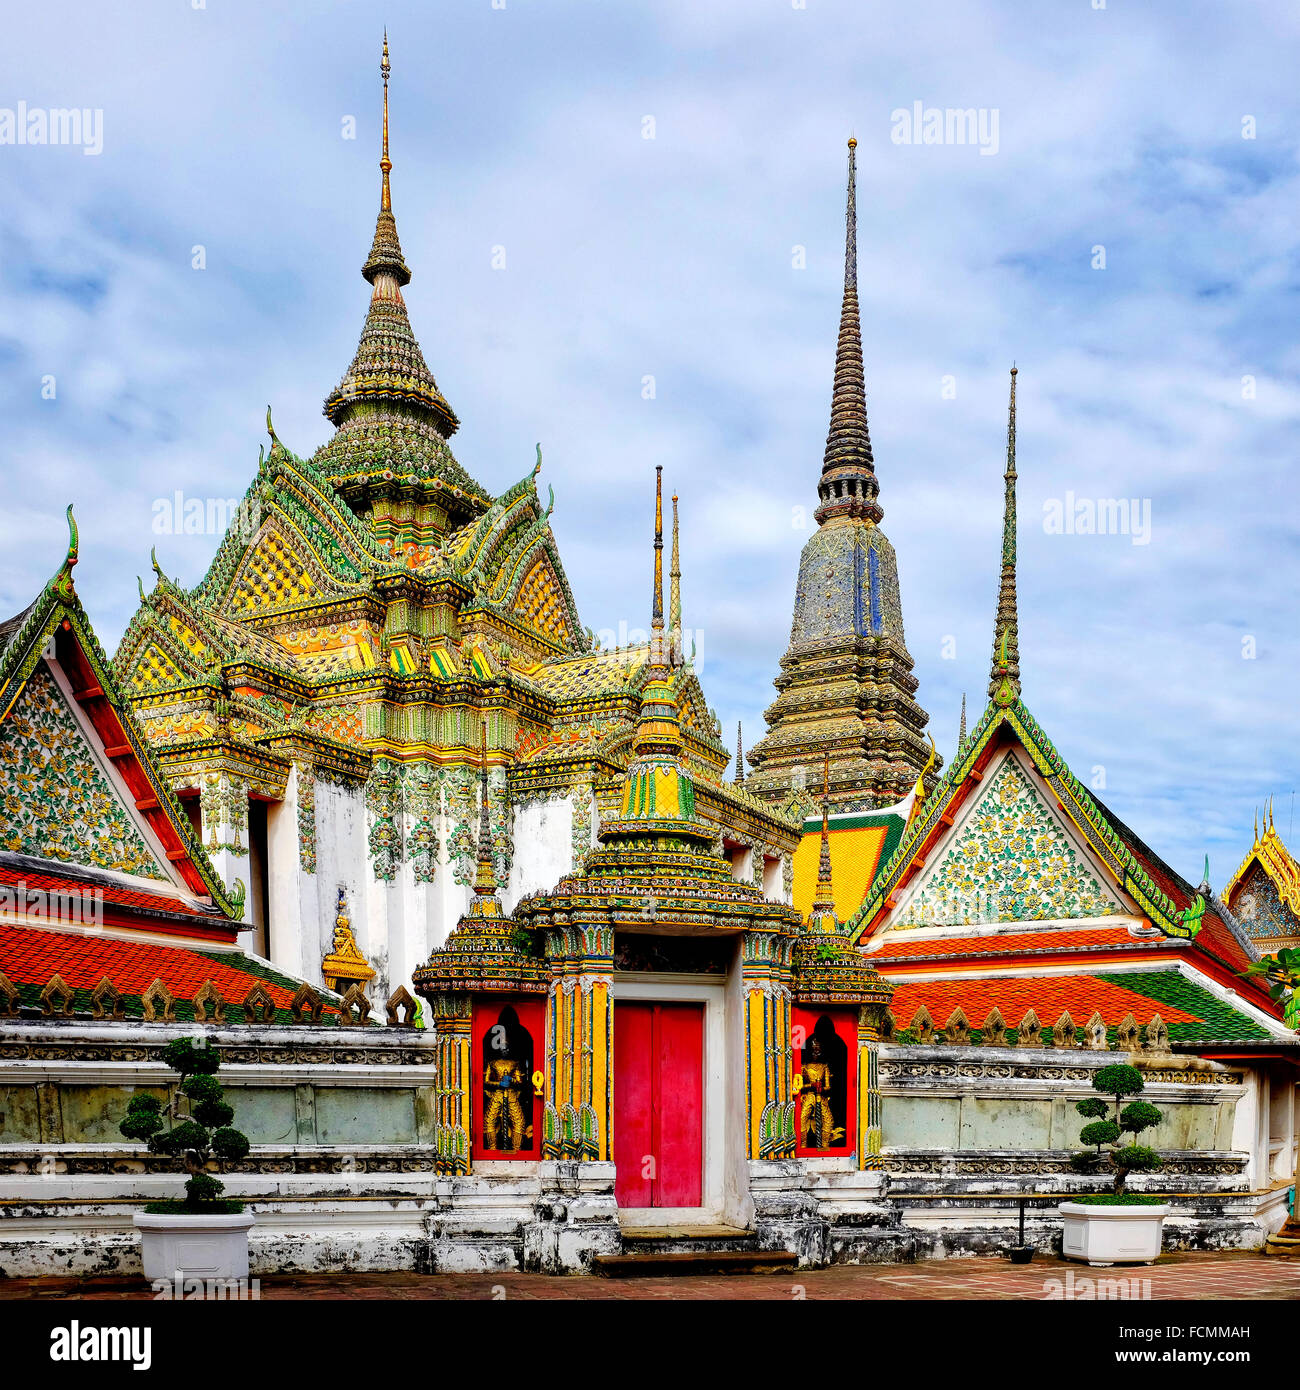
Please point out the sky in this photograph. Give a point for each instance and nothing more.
(593, 195)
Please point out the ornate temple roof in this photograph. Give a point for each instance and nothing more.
(392, 420)
(1264, 893)
(85, 791)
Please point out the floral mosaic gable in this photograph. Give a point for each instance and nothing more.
(1009, 862)
(58, 804)
(1259, 908)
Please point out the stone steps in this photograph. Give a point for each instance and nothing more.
(688, 1262)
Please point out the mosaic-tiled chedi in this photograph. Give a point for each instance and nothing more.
(319, 693)
(846, 687)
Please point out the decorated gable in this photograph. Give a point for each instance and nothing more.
(61, 804)
(275, 573)
(1008, 859)
(1258, 905)
(540, 601)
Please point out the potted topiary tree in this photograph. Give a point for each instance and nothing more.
(1115, 1227)
(203, 1235)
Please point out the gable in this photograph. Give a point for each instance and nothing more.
(60, 803)
(540, 601)
(1008, 859)
(275, 573)
(1257, 904)
(858, 844)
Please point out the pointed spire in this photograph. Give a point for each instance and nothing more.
(848, 484)
(824, 897)
(961, 728)
(675, 597)
(485, 879)
(1004, 677)
(657, 601)
(386, 252)
(740, 756)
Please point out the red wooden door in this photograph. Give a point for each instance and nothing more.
(658, 1104)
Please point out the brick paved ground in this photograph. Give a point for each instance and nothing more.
(1177, 1276)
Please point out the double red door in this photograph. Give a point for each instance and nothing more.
(658, 1104)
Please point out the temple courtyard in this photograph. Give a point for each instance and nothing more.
(1228, 1276)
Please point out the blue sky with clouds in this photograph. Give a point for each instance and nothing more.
(523, 127)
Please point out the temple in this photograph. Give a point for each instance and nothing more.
(508, 974)
(846, 688)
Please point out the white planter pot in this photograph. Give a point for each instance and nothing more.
(1112, 1235)
(197, 1247)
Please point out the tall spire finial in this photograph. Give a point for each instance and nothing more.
(675, 597)
(740, 755)
(824, 897)
(1004, 677)
(385, 257)
(657, 603)
(961, 728)
(848, 484)
(485, 879)
(385, 164)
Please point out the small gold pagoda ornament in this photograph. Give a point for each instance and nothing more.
(345, 965)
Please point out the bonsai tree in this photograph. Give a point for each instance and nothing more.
(193, 1128)
(1105, 1133)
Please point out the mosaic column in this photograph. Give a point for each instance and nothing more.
(765, 984)
(579, 1043)
(451, 1094)
(870, 1132)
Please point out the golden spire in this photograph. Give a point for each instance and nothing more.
(1004, 677)
(385, 164)
(824, 897)
(675, 597)
(657, 604)
(485, 879)
(386, 252)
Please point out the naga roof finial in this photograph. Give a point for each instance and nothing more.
(74, 539)
(153, 560)
(538, 468)
(270, 428)
(1004, 677)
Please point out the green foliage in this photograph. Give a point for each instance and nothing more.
(229, 1143)
(1282, 971)
(1099, 1132)
(213, 1114)
(1137, 1158)
(1088, 1161)
(190, 1055)
(141, 1124)
(1138, 1115)
(1123, 1199)
(174, 1208)
(202, 1086)
(201, 1188)
(199, 1126)
(1118, 1080)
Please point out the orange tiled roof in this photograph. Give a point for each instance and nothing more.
(897, 947)
(29, 956)
(117, 894)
